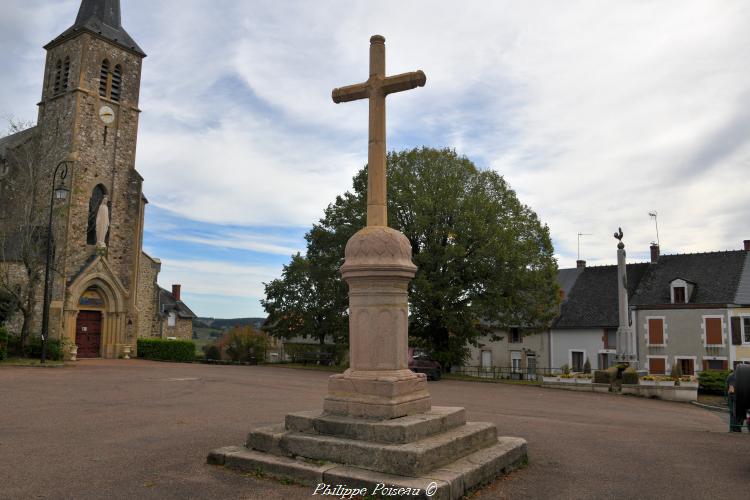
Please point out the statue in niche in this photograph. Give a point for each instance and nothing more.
(102, 223)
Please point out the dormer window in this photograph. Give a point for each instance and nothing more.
(680, 291)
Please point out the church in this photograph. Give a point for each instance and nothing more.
(72, 177)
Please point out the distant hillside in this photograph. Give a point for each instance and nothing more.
(223, 324)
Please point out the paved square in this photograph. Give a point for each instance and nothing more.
(139, 429)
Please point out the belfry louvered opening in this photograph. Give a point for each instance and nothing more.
(66, 74)
(103, 78)
(116, 83)
(58, 76)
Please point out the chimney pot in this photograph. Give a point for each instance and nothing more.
(747, 245)
(580, 264)
(655, 252)
(176, 291)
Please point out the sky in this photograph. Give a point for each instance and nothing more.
(595, 112)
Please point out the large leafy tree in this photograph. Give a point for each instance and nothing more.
(485, 261)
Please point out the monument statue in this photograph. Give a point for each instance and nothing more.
(378, 426)
(102, 223)
(625, 336)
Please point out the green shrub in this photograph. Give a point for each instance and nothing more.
(3, 343)
(166, 350)
(602, 377)
(713, 381)
(565, 369)
(211, 352)
(244, 344)
(54, 349)
(587, 366)
(630, 376)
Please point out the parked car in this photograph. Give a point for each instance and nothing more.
(421, 362)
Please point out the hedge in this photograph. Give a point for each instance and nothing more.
(630, 376)
(714, 381)
(166, 350)
(54, 350)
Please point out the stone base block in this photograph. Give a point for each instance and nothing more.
(449, 482)
(399, 430)
(377, 395)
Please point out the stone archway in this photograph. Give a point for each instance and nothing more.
(97, 292)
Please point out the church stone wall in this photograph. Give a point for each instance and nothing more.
(148, 321)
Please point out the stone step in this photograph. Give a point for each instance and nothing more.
(410, 459)
(449, 482)
(398, 430)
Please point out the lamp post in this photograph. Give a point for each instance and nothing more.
(58, 193)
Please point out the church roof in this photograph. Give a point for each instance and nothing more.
(16, 139)
(102, 18)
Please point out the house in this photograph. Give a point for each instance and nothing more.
(692, 310)
(586, 327)
(176, 319)
(517, 350)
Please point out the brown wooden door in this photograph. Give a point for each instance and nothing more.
(89, 334)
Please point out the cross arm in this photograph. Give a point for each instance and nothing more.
(350, 93)
(404, 81)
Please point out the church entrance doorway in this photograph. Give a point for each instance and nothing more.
(89, 334)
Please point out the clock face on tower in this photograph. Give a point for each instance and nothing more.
(106, 114)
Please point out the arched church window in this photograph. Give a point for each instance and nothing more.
(103, 77)
(66, 73)
(58, 75)
(116, 83)
(96, 199)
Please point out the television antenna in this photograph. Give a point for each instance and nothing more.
(654, 214)
(579, 243)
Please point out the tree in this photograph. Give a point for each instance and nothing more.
(308, 300)
(485, 262)
(22, 232)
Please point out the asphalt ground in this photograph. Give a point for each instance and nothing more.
(138, 429)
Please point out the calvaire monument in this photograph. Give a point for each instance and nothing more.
(626, 348)
(378, 431)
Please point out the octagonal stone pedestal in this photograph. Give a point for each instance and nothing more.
(377, 425)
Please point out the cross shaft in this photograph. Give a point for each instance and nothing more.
(376, 88)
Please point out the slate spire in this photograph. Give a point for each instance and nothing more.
(102, 18)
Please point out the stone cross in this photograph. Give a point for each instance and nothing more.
(376, 88)
(625, 336)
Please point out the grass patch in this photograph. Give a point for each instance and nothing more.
(31, 362)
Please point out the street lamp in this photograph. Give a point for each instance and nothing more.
(59, 192)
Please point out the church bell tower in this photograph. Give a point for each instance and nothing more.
(89, 113)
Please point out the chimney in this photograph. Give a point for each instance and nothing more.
(654, 253)
(176, 291)
(747, 245)
(580, 264)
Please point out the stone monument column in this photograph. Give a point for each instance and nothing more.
(626, 348)
(378, 268)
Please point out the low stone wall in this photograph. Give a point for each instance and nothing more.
(666, 393)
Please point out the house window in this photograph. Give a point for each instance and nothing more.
(531, 364)
(713, 327)
(515, 359)
(656, 331)
(657, 366)
(746, 329)
(610, 338)
(515, 336)
(171, 319)
(576, 361)
(679, 295)
(687, 366)
(714, 364)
